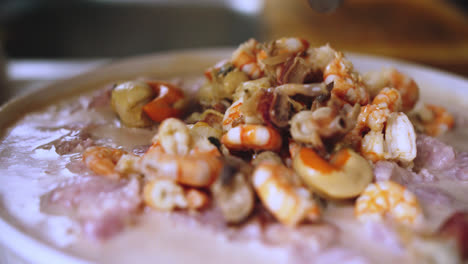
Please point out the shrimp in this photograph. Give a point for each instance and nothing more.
(245, 58)
(347, 85)
(221, 66)
(233, 115)
(400, 138)
(257, 137)
(182, 154)
(441, 121)
(198, 170)
(244, 109)
(284, 60)
(387, 198)
(127, 164)
(164, 194)
(389, 98)
(373, 146)
(406, 86)
(290, 46)
(344, 176)
(174, 137)
(372, 117)
(278, 52)
(288, 202)
(196, 199)
(398, 141)
(375, 115)
(102, 160)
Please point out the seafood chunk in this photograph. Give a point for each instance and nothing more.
(102, 160)
(387, 198)
(347, 85)
(233, 193)
(164, 194)
(198, 170)
(432, 120)
(288, 202)
(128, 100)
(400, 138)
(174, 137)
(245, 58)
(256, 137)
(406, 86)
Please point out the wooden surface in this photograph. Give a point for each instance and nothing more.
(431, 32)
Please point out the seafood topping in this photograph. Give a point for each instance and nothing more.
(282, 130)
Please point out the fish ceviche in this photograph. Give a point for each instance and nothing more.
(284, 144)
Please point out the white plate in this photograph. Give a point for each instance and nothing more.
(436, 86)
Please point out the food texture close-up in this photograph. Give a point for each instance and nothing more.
(278, 149)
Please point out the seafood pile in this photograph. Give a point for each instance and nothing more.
(282, 126)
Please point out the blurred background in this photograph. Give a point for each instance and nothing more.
(45, 40)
